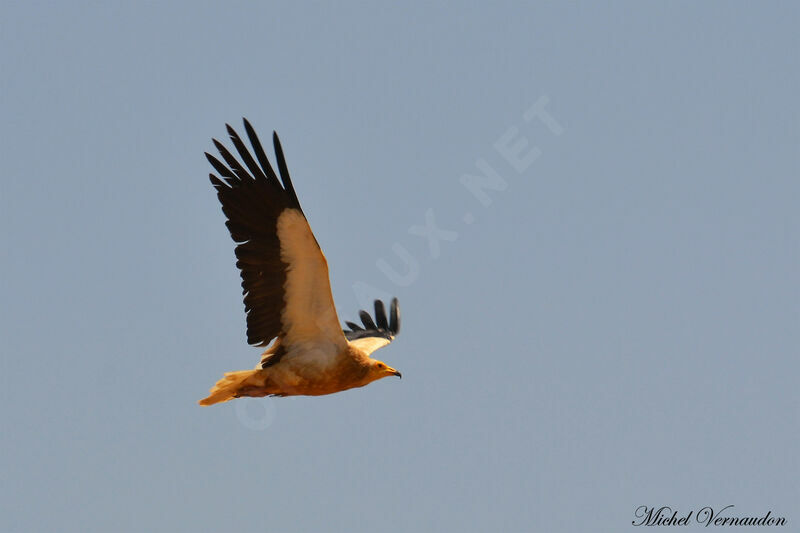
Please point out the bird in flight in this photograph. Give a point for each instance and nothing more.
(287, 293)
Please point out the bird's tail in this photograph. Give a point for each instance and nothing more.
(231, 386)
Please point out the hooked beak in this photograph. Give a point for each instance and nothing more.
(398, 374)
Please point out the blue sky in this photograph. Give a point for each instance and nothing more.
(616, 327)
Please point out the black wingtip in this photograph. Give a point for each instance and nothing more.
(394, 316)
(283, 170)
(248, 128)
(366, 320)
(380, 315)
(221, 169)
(387, 329)
(276, 144)
(353, 326)
(232, 133)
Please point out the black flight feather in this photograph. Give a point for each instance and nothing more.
(259, 150)
(380, 327)
(380, 315)
(252, 199)
(284, 170)
(394, 317)
(367, 320)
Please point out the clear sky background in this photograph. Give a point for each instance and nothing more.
(618, 327)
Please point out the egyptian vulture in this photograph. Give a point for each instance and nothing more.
(287, 293)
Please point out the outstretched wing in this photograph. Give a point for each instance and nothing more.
(285, 283)
(375, 333)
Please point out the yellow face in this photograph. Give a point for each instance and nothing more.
(382, 370)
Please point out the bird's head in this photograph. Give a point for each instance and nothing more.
(379, 369)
